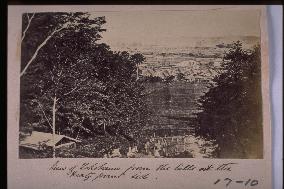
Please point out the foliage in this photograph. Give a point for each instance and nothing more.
(151, 79)
(232, 109)
(185, 154)
(95, 87)
(181, 77)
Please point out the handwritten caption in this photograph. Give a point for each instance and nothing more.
(95, 171)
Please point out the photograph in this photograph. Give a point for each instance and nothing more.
(141, 84)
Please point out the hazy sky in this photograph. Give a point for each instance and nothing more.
(154, 27)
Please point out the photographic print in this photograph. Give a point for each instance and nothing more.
(141, 84)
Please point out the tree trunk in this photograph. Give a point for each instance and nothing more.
(53, 124)
(38, 49)
(104, 128)
(29, 22)
(137, 73)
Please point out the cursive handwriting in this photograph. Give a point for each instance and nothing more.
(95, 171)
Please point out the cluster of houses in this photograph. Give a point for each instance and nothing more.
(194, 70)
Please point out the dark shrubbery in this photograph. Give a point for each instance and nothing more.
(232, 111)
(84, 86)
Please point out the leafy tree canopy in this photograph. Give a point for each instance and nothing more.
(91, 84)
(232, 109)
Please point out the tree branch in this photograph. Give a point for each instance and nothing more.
(74, 88)
(44, 115)
(85, 129)
(52, 76)
(29, 22)
(38, 48)
(70, 91)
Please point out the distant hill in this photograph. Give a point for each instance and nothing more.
(185, 42)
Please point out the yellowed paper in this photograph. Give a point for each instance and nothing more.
(138, 96)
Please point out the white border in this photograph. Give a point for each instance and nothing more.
(275, 25)
(33, 173)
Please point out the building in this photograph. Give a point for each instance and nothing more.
(41, 141)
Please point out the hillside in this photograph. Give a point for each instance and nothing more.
(173, 105)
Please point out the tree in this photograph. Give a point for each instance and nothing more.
(169, 79)
(39, 28)
(125, 109)
(61, 66)
(181, 77)
(232, 113)
(137, 59)
(72, 84)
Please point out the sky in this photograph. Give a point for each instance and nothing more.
(176, 27)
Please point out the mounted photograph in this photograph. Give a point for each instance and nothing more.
(141, 84)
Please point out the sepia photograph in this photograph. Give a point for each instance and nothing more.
(141, 84)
